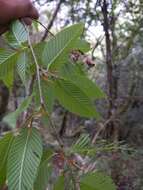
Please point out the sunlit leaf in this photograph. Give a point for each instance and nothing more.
(19, 31)
(7, 62)
(82, 46)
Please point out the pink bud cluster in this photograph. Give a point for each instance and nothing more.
(77, 56)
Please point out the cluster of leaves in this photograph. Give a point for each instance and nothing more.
(59, 77)
(24, 163)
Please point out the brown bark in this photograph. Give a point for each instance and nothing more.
(112, 128)
(4, 97)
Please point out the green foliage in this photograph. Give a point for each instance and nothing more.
(11, 118)
(74, 99)
(82, 145)
(57, 49)
(5, 144)
(69, 91)
(38, 49)
(82, 45)
(19, 32)
(44, 170)
(89, 87)
(25, 166)
(89, 181)
(22, 64)
(24, 159)
(17, 36)
(96, 181)
(59, 185)
(48, 95)
(8, 60)
(72, 73)
(44, 174)
(8, 79)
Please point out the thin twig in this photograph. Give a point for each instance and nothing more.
(56, 134)
(53, 127)
(52, 19)
(39, 86)
(47, 30)
(36, 64)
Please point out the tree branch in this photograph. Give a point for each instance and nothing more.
(106, 27)
(52, 19)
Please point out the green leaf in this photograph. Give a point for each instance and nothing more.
(48, 95)
(17, 35)
(11, 41)
(38, 49)
(44, 171)
(35, 25)
(47, 153)
(82, 144)
(8, 79)
(22, 64)
(11, 118)
(69, 69)
(74, 99)
(7, 62)
(85, 84)
(5, 144)
(19, 32)
(89, 87)
(57, 49)
(44, 174)
(24, 159)
(82, 45)
(59, 183)
(97, 181)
